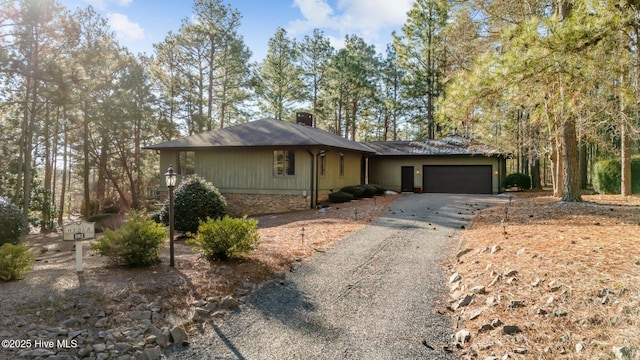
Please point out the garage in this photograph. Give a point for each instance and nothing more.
(457, 179)
(453, 164)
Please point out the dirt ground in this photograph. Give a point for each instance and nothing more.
(40, 298)
(566, 274)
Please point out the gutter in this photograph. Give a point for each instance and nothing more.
(314, 173)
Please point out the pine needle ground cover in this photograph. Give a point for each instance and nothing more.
(562, 279)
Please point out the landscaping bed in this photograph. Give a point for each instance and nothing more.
(120, 312)
(543, 279)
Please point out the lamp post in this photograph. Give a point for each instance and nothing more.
(170, 178)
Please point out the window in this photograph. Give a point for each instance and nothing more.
(341, 164)
(323, 165)
(284, 162)
(186, 163)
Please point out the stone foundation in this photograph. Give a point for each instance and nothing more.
(256, 204)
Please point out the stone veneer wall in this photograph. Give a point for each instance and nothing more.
(255, 204)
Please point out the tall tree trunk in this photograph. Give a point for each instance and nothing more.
(85, 153)
(45, 217)
(582, 162)
(570, 173)
(557, 166)
(64, 167)
(625, 149)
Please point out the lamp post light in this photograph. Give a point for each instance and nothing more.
(170, 178)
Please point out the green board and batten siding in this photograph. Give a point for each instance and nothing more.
(250, 170)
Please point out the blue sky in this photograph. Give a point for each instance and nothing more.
(141, 23)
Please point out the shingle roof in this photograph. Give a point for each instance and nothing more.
(266, 132)
(450, 145)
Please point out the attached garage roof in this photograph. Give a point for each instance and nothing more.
(450, 145)
(266, 132)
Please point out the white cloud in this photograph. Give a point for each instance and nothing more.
(103, 4)
(370, 19)
(125, 28)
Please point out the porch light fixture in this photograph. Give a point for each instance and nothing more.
(170, 178)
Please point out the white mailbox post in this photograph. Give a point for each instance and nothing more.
(79, 231)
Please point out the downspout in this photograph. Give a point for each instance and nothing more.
(313, 174)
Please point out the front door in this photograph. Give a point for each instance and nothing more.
(407, 179)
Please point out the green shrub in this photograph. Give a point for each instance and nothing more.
(136, 243)
(15, 261)
(379, 189)
(340, 197)
(195, 200)
(608, 176)
(519, 180)
(356, 190)
(226, 238)
(12, 225)
(369, 190)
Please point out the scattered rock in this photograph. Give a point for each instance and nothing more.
(35, 352)
(579, 347)
(511, 272)
(521, 351)
(520, 252)
(491, 301)
(554, 286)
(514, 304)
(478, 289)
(163, 337)
(178, 334)
(455, 277)
(536, 282)
(466, 300)
(198, 303)
(139, 315)
(102, 323)
(71, 322)
(99, 347)
(495, 280)
(495, 249)
(229, 302)
(151, 353)
(463, 336)
(463, 252)
(485, 328)
(474, 315)
(559, 312)
(621, 352)
(510, 329)
(496, 322)
(138, 299)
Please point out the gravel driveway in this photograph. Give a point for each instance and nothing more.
(375, 296)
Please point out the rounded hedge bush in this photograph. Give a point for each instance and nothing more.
(15, 261)
(519, 180)
(136, 243)
(608, 176)
(356, 190)
(226, 238)
(13, 227)
(195, 200)
(340, 197)
(369, 190)
(379, 189)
